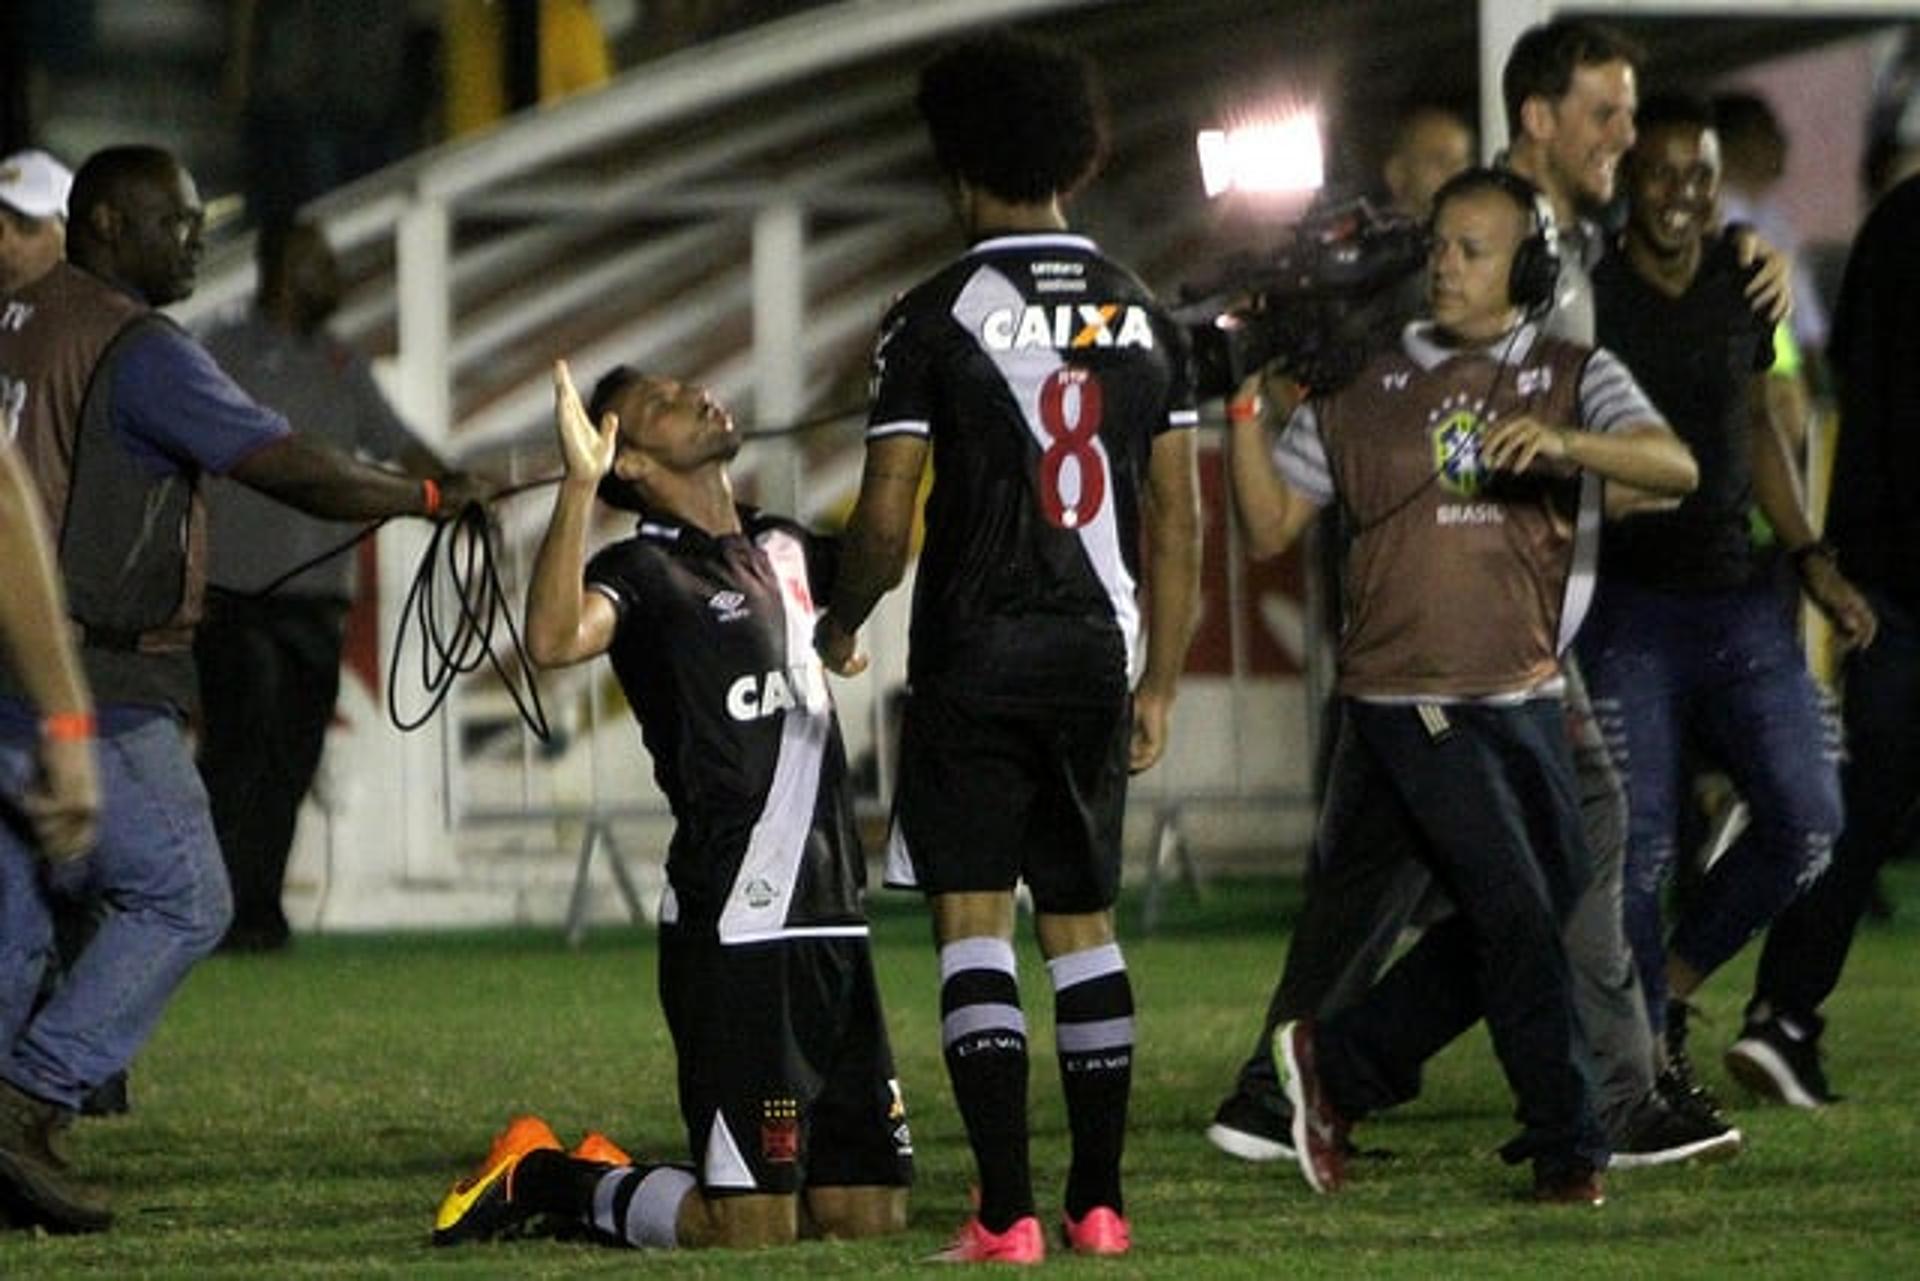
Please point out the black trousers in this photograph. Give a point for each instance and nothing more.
(1486, 798)
(1807, 946)
(1357, 906)
(269, 675)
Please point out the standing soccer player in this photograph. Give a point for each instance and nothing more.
(1052, 394)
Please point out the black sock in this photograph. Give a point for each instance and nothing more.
(985, 1035)
(635, 1205)
(1093, 1032)
(549, 1181)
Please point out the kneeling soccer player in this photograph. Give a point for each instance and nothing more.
(786, 1077)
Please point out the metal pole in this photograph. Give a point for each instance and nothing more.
(779, 315)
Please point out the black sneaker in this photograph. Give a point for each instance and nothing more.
(1779, 1059)
(1677, 1084)
(1657, 1134)
(1253, 1128)
(1679, 1090)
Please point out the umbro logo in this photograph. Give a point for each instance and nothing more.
(1394, 382)
(728, 606)
(1534, 382)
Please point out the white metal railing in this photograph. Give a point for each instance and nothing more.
(470, 224)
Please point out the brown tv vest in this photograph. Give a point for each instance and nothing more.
(131, 543)
(1455, 578)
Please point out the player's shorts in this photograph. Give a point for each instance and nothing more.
(993, 793)
(786, 1074)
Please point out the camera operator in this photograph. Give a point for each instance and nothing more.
(1452, 742)
(1570, 94)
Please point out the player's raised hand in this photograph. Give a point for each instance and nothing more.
(587, 450)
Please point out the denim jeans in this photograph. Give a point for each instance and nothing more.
(1726, 668)
(156, 870)
(1807, 946)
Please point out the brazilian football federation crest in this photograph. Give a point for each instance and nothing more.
(1456, 430)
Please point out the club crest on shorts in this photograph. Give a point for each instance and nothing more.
(780, 1131)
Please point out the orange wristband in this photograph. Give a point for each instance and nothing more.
(67, 727)
(430, 489)
(1244, 409)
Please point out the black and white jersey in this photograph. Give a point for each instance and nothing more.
(714, 648)
(1041, 371)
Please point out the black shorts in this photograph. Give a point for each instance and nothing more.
(786, 1074)
(991, 794)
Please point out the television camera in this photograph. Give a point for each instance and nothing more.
(1315, 306)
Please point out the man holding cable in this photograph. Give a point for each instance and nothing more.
(120, 415)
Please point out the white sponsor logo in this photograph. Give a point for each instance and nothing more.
(1066, 326)
(15, 315)
(1394, 382)
(1534, 382)
(753, 698)
(1470, 514)
(728, 606)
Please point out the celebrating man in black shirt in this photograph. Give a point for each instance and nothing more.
(1687, 632)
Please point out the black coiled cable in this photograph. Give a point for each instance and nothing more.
(463, 558)
(461, 555)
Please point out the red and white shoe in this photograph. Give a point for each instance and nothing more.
(1319, 1131)
(1102, 1231)
(1022, 1242)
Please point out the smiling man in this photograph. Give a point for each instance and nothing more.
(1687, 637)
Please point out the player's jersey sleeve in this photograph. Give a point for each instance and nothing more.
(902, 375)
(1609, 397)
(610, 573)
(1183, 406)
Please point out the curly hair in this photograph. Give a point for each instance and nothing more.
(1019, 117)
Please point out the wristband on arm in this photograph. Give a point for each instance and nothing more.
(1244, 409)
(430, 494)
(67, 727)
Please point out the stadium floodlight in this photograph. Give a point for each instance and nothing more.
(1279, 156)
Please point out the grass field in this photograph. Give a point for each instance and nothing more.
(301, 1116)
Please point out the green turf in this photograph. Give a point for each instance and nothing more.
(301, 1116)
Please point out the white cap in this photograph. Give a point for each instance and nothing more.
(35, 184)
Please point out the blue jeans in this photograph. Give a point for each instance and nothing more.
(1807, 947)
(156, 870)
(1725, 667)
